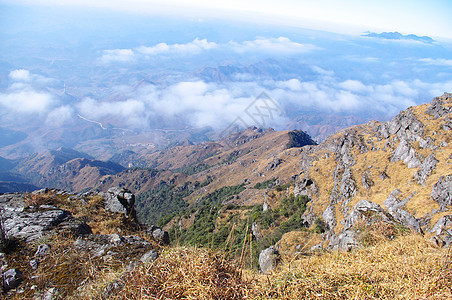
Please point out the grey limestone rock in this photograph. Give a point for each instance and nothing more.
(405, 218)
(269, 259)
(120, 200)
(12, 279)
(99, 245)
(367, 180)
(345, 241)
(30, 225)
(329, 215)
(158, 235)
(42, 250)
(149, 256)
(427, 167)
(407, 154)
(444, 222)
(256, 232)
(436, 108)
(442, 191)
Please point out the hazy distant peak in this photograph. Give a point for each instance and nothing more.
(398, 36)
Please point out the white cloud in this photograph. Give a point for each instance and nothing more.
(59, 115)
(20, 75)
(354, 86)
(281, 45)
(27, 101)
(194, 47)
(277, 46)
(118, 55)
(437, 61)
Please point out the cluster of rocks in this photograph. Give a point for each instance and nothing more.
(30, 224)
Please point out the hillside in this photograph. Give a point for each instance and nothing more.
(64, 168)
(396, 172)
(62, 245)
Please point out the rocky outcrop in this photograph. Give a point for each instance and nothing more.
(407, 154)
(371, 212)
(31, 223)
(442, 224)
(394, 200)
(437, 108)
(256, 232)
(120, 200)
(443, 232)
(442, 191)
(269, 259)
(405, 126)
(367, 181)
(427, 167)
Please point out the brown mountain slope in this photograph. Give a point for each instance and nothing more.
(399, 170)
(65, 169)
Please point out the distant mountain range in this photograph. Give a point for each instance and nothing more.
(398, 36)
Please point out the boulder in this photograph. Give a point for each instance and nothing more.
(269, 259)
(442, 191)
(329, 215)
(256, 232)
(120, 200)
(75, 227)
(427, 167)
(365, 210)
(393, 199)
(405, 218)
(158, 235)
(149, 256)
(344, 241)
(436, 108)
(442, 224)
(367, 180)
(407, 154)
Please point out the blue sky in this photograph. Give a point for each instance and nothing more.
(419, 17)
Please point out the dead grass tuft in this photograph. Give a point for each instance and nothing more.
(186, 273)
(406, 268)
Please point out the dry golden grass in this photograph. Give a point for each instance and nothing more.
(406, 268)
(185, 273)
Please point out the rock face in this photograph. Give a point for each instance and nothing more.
(120, 200)
(269, 259)
(442, 191)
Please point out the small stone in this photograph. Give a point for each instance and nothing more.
(50, 294)
(11, 279)
(34, 264)
(149, 256)
(43, 250)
